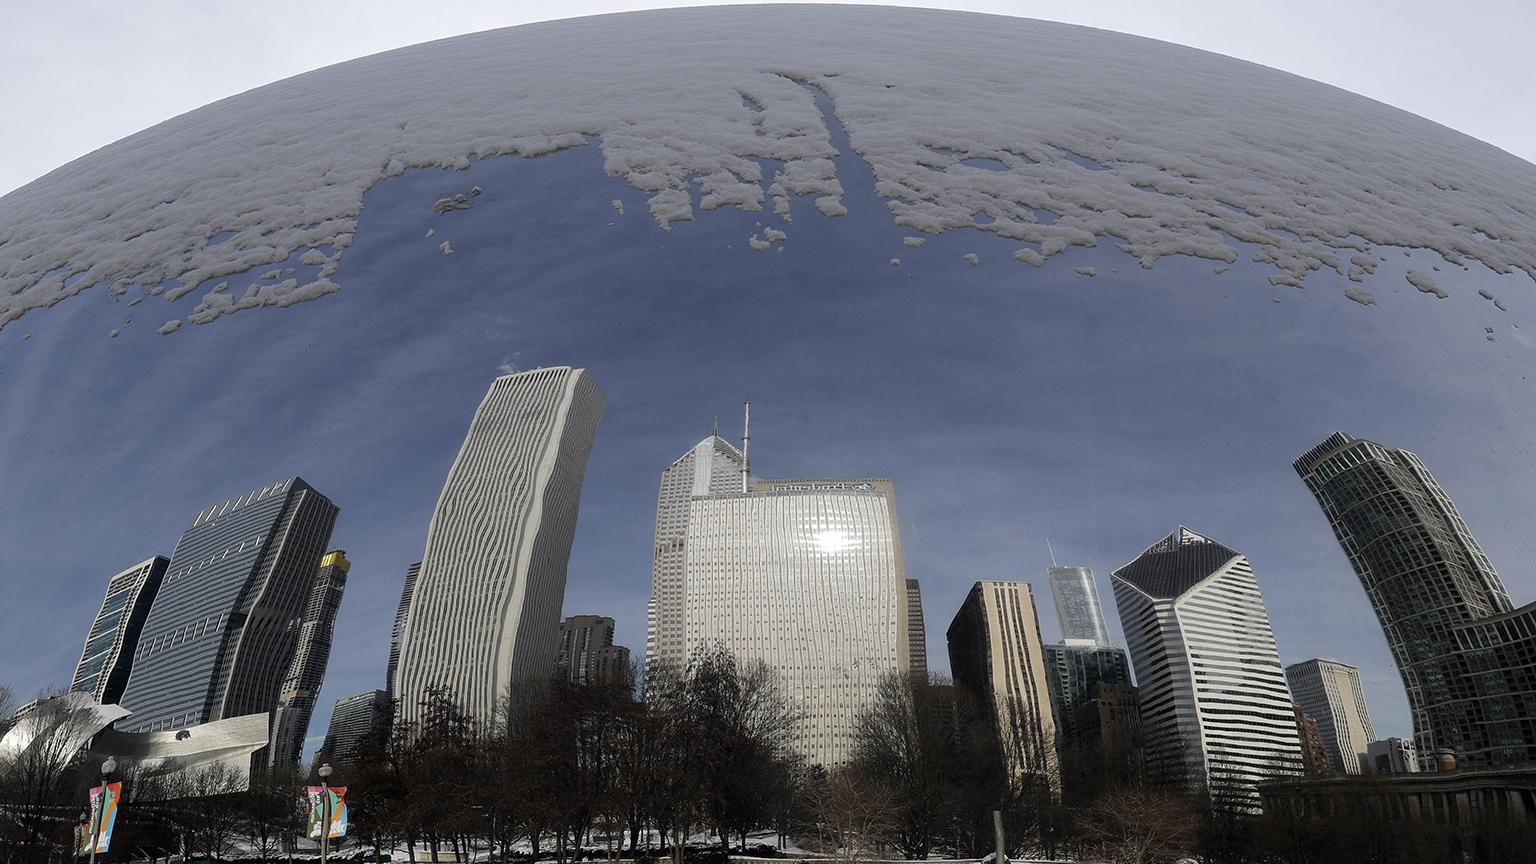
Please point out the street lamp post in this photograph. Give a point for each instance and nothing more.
(325, 810)
(98, 811)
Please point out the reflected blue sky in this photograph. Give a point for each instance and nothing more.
(1008, 403)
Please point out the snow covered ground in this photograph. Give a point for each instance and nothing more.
(1048, 135)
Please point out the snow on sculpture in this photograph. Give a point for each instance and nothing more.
(1060, 135)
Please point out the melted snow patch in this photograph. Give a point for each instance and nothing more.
(1155, 148)
(1426, 284)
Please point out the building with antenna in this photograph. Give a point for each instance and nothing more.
(711, 467)
(1078, 609)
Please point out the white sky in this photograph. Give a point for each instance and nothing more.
(78, 74)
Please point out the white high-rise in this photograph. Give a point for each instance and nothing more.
(805, 576)
(1215, 711)
(485, 610)
(711, 467)
(1330, 693)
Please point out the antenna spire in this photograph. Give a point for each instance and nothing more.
(746, 441)
(1052, 551)
(714, 428)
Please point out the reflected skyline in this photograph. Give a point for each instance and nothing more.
(1007, 403)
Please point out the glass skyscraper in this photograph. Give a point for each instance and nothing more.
(1077, 605)
(356, 719)
(114, 635)
(1075, 671)
(485, 609)
(1215, 711)
(1465, 654)
(306, 672)
(220, 635)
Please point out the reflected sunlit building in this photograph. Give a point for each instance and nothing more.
(807, 577)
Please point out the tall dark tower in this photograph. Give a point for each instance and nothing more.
(108, 654)
(397, 632)
(1442, 606)
(222, 631)
(306, 672)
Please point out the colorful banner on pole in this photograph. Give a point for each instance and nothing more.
(337, 808)
(103, 815)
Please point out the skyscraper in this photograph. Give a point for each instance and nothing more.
(1077, 605)
(917, 635)
(221, 632)
(587, 655)
(1215, 712)
(109, 644)
(1330, 693)
(995, 653)
(1315, 761)
(306, 672)
(485, 611)
(355, 720)
(397, 631)
(1463, 651)
(1073, 672)
(711, 467)
(805, 576)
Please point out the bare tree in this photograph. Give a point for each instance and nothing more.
(38, 780)
(1140, 826)
(856, 817)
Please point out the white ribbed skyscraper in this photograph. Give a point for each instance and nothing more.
(1215, 710)
(711, 467)
(1330, 693)
(485, 610)
(805, 576)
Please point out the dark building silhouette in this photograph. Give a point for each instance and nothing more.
(222, 631)
(1106, 747)
(362, 718)
(1073, 671)
(587, 655)
(306, 672)
(402, 614)
(114, 635)
(917, 636)
(1315, 759)
(1465, 654)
